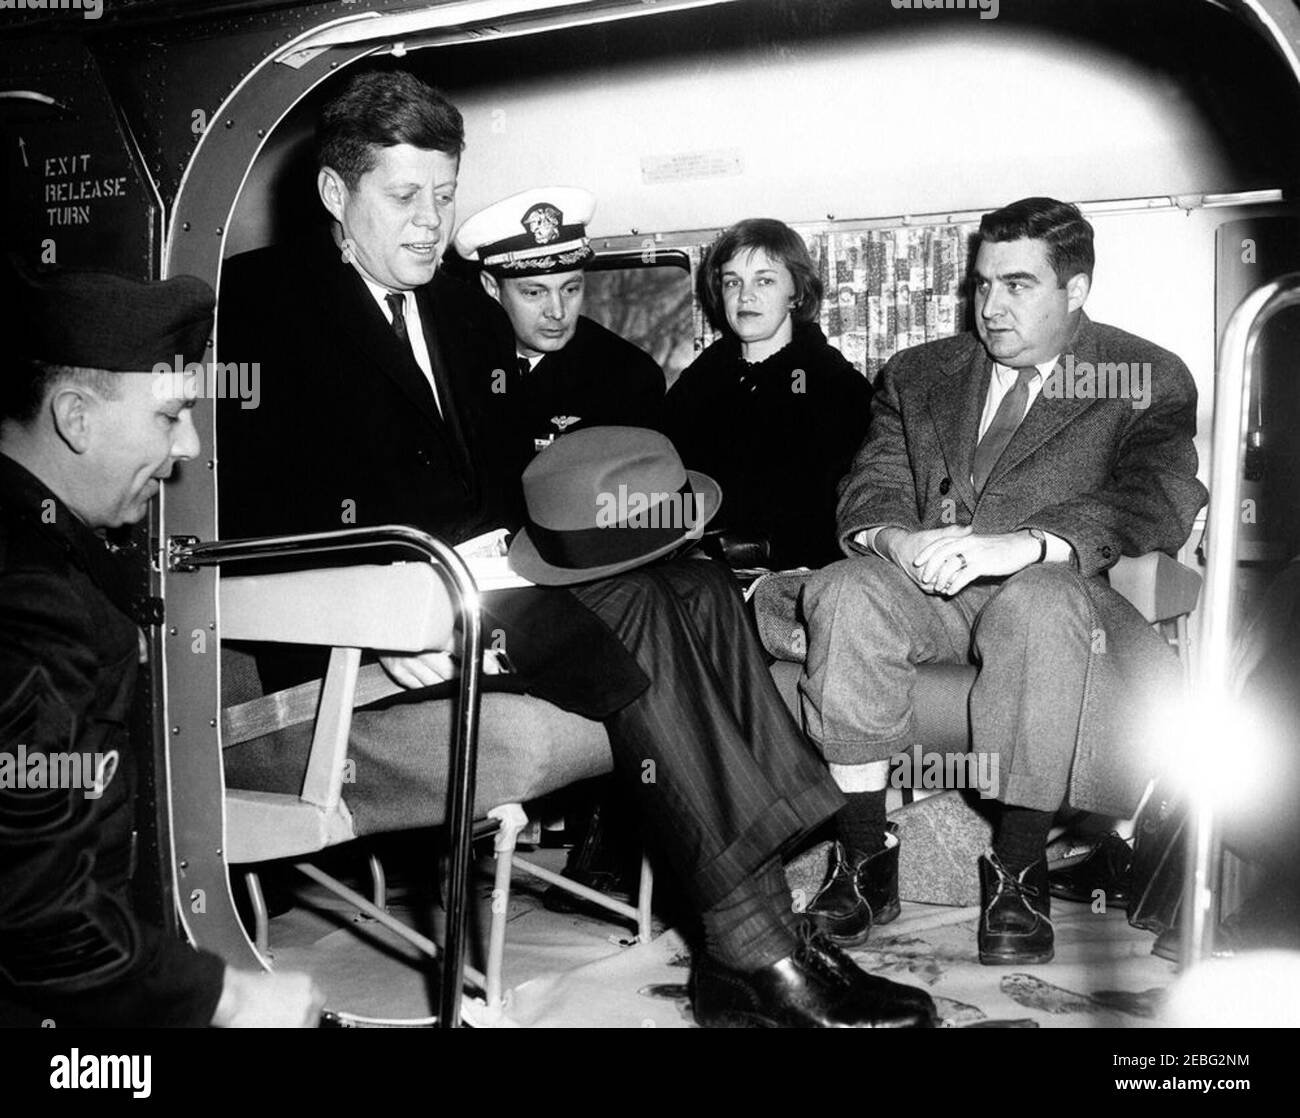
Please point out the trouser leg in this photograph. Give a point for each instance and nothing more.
(1038, 644)
(869, 626)
(714, 761)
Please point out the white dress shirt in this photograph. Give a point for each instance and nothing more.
(414, 328)
(1000, 383)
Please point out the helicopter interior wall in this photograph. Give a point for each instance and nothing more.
(695, 119)
(857, 110)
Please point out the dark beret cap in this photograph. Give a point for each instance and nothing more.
(101, 320)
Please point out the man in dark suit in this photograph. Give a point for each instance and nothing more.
(371, 410)
(1004, 472)
(572, 372)
(86, 442)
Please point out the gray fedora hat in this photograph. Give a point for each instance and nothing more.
(603, 500)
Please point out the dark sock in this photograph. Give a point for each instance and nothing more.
(753, 926)
(1021, 837)
(861, 823)
(772, 881)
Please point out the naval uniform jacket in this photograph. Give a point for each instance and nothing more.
(777, 435)
(71, 949)
(1109, 478)
(347, 433)
(597, 380)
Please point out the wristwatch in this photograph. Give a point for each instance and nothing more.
(1041, 536)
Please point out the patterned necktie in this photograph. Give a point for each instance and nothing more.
(1007, 418)
(397, 307)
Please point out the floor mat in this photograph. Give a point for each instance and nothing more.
(568, 971)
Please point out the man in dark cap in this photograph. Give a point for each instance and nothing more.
(570, 372)
(88, 434)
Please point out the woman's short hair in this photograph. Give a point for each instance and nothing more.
(780, 242)
(379, 109)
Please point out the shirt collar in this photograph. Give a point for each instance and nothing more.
(380, 293)
(1006, 374)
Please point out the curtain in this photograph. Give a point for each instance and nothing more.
(886, 289)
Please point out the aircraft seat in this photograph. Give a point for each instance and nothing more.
(527, 747)
(1162, 589)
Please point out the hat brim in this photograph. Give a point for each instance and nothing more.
(525, 561)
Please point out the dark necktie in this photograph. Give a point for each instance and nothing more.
(1005, 421)
(397, 307)
(525, 367)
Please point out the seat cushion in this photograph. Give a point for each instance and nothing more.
(398, 758)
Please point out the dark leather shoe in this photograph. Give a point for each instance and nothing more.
(815, 987)
(602, 859)
(615, 886)
(856, 895)
(1015, 922)
(1105, 869)
(878, 879)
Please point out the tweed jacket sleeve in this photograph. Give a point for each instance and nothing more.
(1104, 461)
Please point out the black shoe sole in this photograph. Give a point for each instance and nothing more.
(730, 1020)
(887, 915)
(857, 939)
(1019, 959)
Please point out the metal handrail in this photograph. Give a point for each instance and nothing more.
(1232, 394)
(187, 554)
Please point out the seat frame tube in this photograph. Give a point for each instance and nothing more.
(187, 554)
(1232, 394)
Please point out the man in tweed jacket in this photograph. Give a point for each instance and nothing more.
(1005, 471)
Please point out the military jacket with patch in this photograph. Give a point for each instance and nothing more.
(72, 952)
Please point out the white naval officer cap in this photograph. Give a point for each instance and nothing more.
(530, 233)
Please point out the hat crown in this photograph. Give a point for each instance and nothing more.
(534, 232)
(593, 478)
(103, 320)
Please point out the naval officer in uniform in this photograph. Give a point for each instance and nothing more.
(570, 372)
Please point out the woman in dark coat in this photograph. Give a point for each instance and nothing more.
(771, 409)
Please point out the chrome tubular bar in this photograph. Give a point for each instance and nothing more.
(1232, 393)
(187, 554)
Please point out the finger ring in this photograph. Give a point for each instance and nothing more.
(961, 557)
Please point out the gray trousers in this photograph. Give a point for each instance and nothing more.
(1034, 636)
